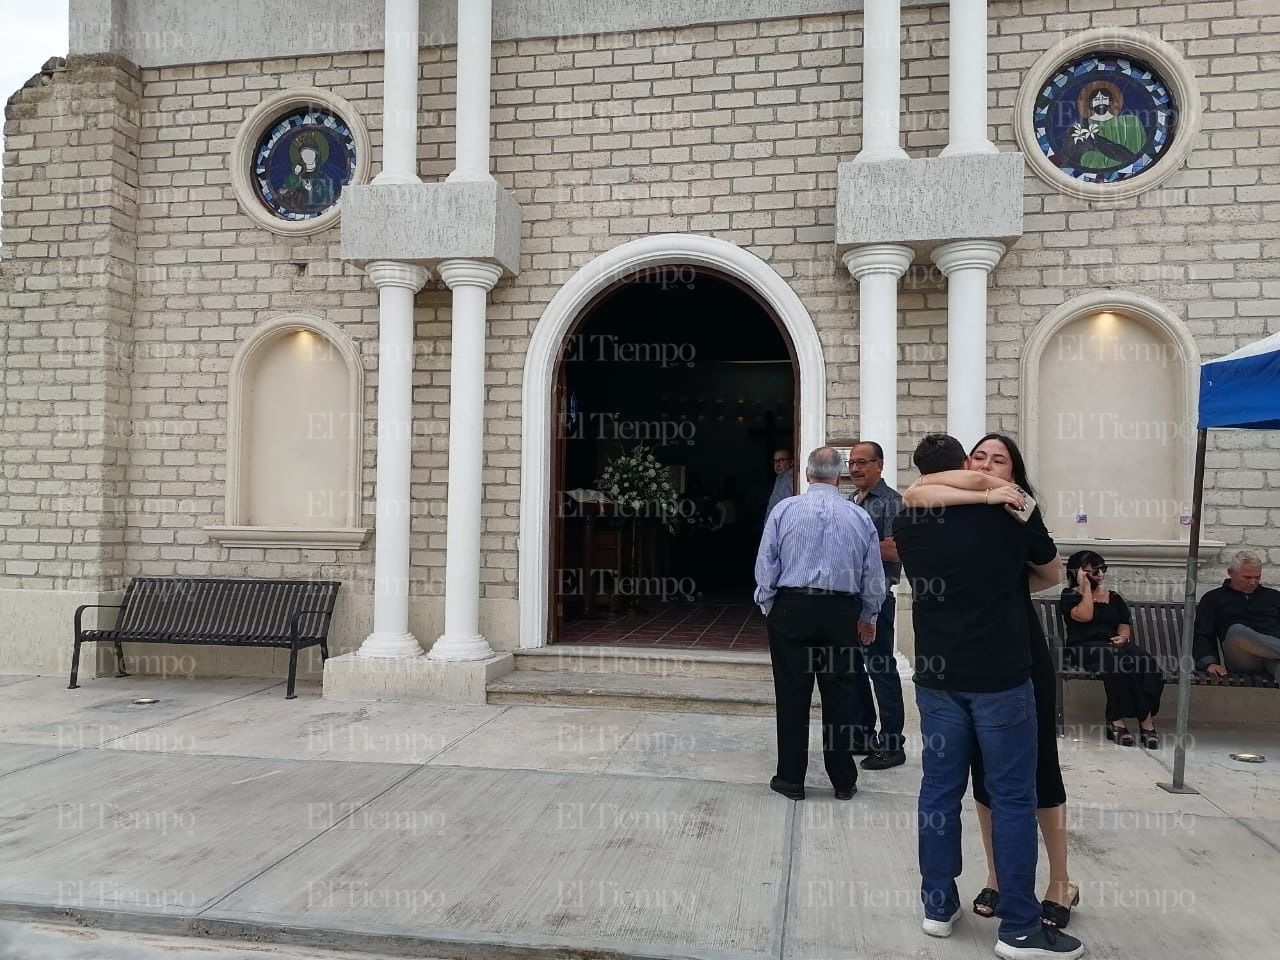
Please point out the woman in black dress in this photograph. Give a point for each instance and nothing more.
(996, 467)
(1100, 640)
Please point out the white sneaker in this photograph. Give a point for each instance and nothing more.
(940, 928)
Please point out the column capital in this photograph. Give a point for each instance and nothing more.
(958, 254)
(879, 258)
(395, 273)
(470, 273)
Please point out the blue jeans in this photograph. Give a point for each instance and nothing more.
(877, 662)
(1003, 726)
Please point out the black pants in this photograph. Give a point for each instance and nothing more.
(813, 636)
(1131, 677)
(876, 665)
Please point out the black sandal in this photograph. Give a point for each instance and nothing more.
(1120, 735)
(986, 903)
(1150, 738)
(1055, 914)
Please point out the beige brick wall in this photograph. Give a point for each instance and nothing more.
(734, 131)
(66, 306)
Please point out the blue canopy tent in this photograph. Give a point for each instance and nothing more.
(1240, 391)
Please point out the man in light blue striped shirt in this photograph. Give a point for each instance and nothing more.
(818, 572)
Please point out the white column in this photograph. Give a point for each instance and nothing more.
(968, 79)
(400, 94)
(397, 283)
(967, 265)
(470, 281)
(475, 63)
(881, 81)
(877, 269)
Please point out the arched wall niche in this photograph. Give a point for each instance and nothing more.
(1108, 414)
(294, 438)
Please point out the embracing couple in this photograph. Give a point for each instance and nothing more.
(974, 551)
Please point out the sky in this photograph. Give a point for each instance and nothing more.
(31, 31)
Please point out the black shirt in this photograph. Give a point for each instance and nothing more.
(883, 503)
(1106, 622)
(1224, 607)
(967, 567)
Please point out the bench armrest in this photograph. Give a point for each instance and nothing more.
(93, 606)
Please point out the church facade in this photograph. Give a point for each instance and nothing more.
(320, 296)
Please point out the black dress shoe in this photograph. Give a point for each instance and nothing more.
(792, 791)
(846, 793)
(884, 759)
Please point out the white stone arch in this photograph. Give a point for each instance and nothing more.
(1144, 310)
(350, 534)
(557, 321)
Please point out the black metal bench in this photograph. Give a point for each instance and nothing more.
(288, 614)
(1157, 628)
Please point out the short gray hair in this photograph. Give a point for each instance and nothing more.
(825, 463)
(1245, 558)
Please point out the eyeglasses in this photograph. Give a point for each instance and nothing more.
(782, 459)
(1101, 569)
(862, 463)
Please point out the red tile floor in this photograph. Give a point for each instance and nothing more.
(703, 626)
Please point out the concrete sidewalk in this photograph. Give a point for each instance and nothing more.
(522, 831)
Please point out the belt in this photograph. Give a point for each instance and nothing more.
(816, 592)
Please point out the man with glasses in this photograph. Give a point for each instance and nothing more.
(883, 503)
(784, 484)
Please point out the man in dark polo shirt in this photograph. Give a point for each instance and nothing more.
(1244, 617)
(968, 568)
(877, 661)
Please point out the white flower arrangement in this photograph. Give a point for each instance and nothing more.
(639, 485)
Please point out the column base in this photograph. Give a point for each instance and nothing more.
(460, 649)
(969, 148)
(352, 677)
(390, 646)
(880, 155)
(395, 179)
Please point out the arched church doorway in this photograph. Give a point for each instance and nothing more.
(673, 390)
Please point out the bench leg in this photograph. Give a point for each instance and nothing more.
(324, 650)
(293, 673)
(75, 666)
(120, 670)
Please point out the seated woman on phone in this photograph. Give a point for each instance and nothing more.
(1100, 639)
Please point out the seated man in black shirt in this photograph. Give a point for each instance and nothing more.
(968, 569)
(1244, 617)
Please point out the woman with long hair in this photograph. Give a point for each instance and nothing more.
(996, 474)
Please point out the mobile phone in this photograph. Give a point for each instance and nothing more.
(1028, 508)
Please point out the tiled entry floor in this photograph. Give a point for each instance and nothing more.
(703, 626)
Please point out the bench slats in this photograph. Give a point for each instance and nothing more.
(225, 608)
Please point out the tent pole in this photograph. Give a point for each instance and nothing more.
(1185, 662)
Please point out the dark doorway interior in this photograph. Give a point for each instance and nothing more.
(693, 365)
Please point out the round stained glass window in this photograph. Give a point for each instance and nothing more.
(1104, 118)
(302, 162)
